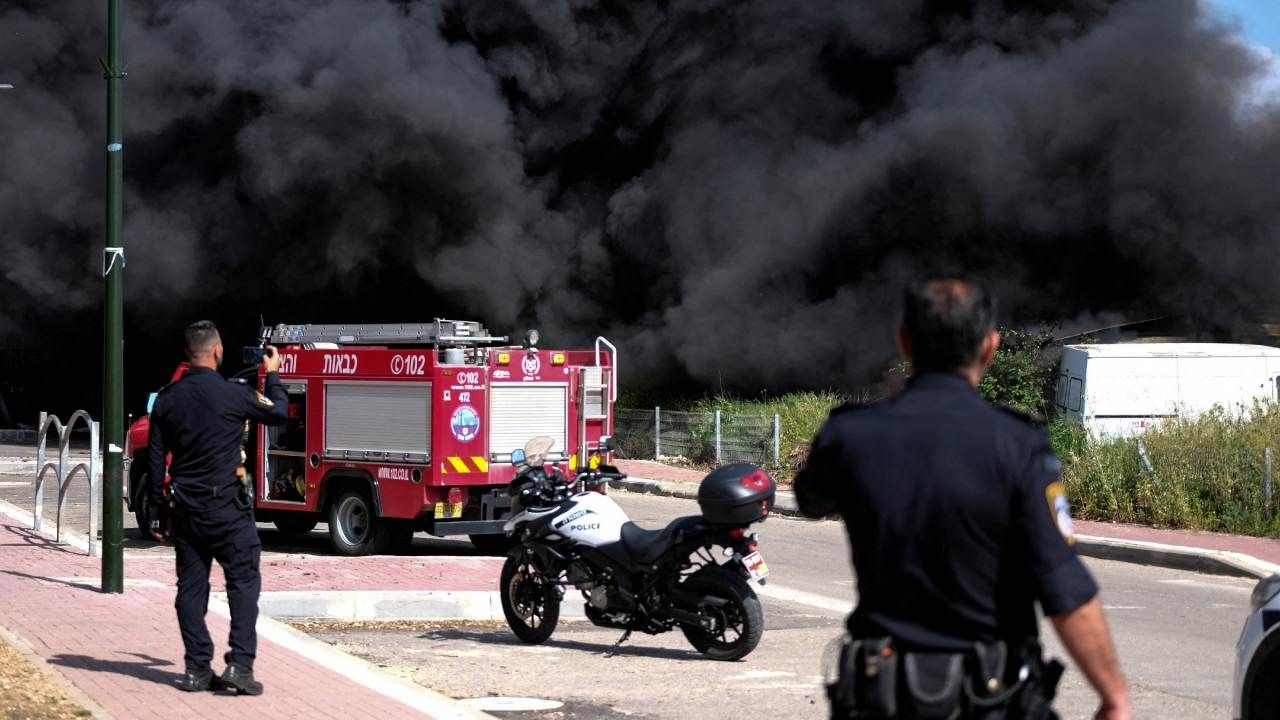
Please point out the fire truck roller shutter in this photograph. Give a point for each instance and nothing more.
(520, 411)
(377, 420)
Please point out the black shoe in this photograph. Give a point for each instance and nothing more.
(240, 679)
(195, 681)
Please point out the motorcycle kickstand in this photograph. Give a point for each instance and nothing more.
(614, 650)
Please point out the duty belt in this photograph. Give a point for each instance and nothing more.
(873, 679)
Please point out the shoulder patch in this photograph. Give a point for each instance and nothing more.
(1035, 419)
(1056, 496)
(238, 381)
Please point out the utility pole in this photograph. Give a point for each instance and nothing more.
(113, 351)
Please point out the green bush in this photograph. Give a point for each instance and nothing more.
(1022, 374)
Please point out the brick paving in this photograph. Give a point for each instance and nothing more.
(124, 651)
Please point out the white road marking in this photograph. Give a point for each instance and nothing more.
(800, 597)
(759, 675)
(1229, 584)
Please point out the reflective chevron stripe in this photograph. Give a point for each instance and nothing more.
(454, 464)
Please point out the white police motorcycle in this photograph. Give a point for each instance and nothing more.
(571, 534)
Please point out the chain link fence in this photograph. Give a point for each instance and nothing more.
(703, 438)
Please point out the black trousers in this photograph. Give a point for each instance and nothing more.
(229, 536)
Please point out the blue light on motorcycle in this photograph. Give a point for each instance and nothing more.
(517, 457)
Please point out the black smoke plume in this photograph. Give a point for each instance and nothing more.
(734, 191)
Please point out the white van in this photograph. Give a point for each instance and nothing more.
(1121, 389)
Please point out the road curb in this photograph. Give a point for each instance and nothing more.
(388, 605)
(784, 502)
(427, 701)
(1177, 557)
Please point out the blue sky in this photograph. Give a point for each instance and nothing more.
(1260, 27)
(1260, 20)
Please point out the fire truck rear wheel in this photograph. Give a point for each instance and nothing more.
(142, 501)
(354, 525)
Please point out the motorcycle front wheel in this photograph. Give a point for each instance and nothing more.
(530, 599)
(737, 625)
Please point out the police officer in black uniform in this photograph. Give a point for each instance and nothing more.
(200, 420)
(958, 526)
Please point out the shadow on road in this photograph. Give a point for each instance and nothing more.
(145, 668)
(60, 581)
(30, 538)
(504, 638)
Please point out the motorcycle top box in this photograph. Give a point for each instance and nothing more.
(737, 494)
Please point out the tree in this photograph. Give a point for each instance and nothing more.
(1023, 373)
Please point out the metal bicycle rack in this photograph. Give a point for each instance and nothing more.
(64, 471)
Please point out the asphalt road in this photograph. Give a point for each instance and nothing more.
(1175, 632)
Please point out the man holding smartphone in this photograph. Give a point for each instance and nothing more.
(208, 513)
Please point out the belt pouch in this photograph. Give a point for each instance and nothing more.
(934, 682)
(988, 693)
(875, 678)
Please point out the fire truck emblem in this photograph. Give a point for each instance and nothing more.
(531, 364)
(465, 423)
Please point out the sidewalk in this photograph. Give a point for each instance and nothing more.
(1181, 549)
(124, 651)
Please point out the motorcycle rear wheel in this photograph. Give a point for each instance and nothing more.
(530, 601)
(739, 624)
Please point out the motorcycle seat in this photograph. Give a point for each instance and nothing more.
(646, 546)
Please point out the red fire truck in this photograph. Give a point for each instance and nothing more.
(399, 428)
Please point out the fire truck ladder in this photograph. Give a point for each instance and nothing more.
(603, 388)
(440, 332)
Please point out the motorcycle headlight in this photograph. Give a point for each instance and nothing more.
(1264, 591)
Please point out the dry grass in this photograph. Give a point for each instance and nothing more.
(1202, 474)
(28, 693)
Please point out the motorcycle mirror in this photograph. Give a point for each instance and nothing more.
(608, 443)
(517, 457)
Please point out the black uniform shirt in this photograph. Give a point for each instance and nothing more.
(200, 420)
(955, 514)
